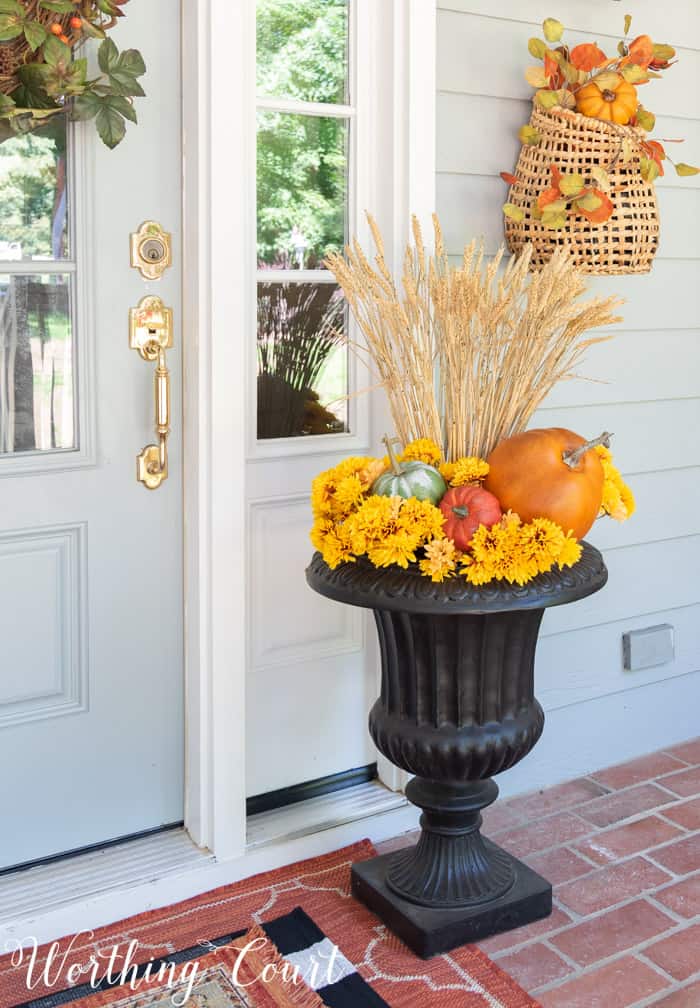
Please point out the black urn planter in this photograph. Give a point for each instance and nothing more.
(457, 706)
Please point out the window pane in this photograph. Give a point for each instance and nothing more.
(301, 189)
(302, 360)
(37, 356)
(33, 195)
(303, 49)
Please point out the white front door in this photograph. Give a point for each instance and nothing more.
(91, 656)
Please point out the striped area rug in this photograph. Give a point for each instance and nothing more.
(306, 911)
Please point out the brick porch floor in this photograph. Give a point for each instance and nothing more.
(622, 849)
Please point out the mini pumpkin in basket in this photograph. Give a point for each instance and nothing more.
(41, 77)
(585, 176)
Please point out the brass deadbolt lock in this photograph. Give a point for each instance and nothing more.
(151, 250)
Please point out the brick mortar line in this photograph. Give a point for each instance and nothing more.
(634, 951)
(591, 827)
(648, 895)
(608, 791)
(568, 844)
(677, 924)
(654, 999)
(678, 825)
(681, 768)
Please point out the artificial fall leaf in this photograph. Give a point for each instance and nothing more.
(628, 23)
(555, 172)
(601, 213)
(547, 99)
(536, 76)
(514, 212)
(588, 201)
(607, 80)
(663, 52)
(571, 185)
(549, 196)
(507, 177)
(537, 48)
(600, 176)
(552, 72)
(656, 152)
(529, 135)
(649, 169)
(635, 74)
(566, 99)
(587, 56)
(686, 169)
(554, 219)
(553, 29)
(645, 119)
(641, 50)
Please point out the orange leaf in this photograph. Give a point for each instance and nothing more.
(601, 213)
(548, 196)
(552, 71)
(507, 177)
(656, 152)
(641, 50)
(656, 149)
(556, 175)
(587, 56)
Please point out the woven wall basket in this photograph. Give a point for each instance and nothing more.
(627, 242)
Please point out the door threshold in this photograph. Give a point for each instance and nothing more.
(116, 866)
(323, 813)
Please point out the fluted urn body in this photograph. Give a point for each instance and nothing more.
(457, 706)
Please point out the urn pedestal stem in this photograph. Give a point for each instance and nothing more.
(456, 706)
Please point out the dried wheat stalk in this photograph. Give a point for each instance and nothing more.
(466, 355)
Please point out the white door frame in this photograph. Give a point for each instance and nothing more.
(218, 317)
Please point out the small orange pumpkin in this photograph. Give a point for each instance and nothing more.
(616, 103)
(549, 473)
(465, 508)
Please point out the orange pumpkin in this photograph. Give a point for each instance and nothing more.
(465, 508)
(616, 103)
(550, 473)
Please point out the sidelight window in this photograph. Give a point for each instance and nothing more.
(305, 177)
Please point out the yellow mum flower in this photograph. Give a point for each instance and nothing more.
(447, 470)
(570, 552)
(440, 559)
(618, 500)
(421, 450)
(468, 470)
(349, 493)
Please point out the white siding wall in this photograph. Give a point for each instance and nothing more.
(648, 391)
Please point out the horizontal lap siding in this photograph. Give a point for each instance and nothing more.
(644, 384)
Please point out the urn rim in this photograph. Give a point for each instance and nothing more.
(395, 589)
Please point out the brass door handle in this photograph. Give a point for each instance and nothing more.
(151, 333)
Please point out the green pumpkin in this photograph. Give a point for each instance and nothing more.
(410, 479)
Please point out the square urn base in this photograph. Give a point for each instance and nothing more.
(429, 931)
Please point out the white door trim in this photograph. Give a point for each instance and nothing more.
(217, 133)
(219, 155)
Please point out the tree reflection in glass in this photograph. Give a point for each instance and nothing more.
(36, 339)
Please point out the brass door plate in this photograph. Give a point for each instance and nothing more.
(148, 467)
(150, 327)
(151, 250)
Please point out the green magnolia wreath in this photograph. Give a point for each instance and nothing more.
(41, 76)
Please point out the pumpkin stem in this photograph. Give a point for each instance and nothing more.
(572, 458)
(395, 467)
(461, 511)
